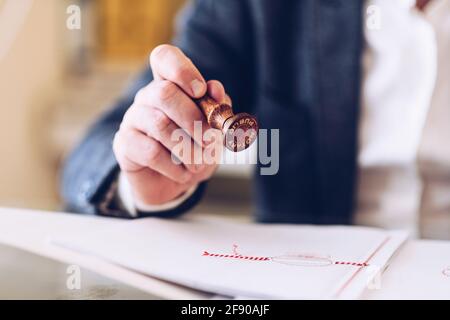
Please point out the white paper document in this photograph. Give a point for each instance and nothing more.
(251, 260)
(421, 270)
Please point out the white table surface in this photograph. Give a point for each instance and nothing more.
(31, 230)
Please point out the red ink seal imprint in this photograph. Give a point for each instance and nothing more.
(446, 272)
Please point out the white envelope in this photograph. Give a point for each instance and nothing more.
(251, 260)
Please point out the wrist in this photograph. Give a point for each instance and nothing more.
(134, 205)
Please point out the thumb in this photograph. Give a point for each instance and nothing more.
(217, 91)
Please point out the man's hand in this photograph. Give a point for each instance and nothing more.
(143, 145)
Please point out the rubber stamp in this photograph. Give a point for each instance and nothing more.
(239, 131)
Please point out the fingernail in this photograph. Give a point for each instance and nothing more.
(197, 87)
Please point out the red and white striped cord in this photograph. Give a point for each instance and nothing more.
(233, 256)
(236, 255)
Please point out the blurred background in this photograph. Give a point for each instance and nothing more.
(55, 81)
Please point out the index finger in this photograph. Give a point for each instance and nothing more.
(170, 63)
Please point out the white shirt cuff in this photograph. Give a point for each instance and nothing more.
(125, 196)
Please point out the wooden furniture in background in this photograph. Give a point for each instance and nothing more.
(128, 30)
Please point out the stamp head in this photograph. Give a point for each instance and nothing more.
(240, 131)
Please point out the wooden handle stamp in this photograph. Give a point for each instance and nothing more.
(239, 130)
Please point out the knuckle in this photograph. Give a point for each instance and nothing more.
(152, 152)
(127, 117)
(160, 120)
(182, 73)
(139, 95)
(116, 143)
(119, 146)
(160, 51)
(166, 91)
